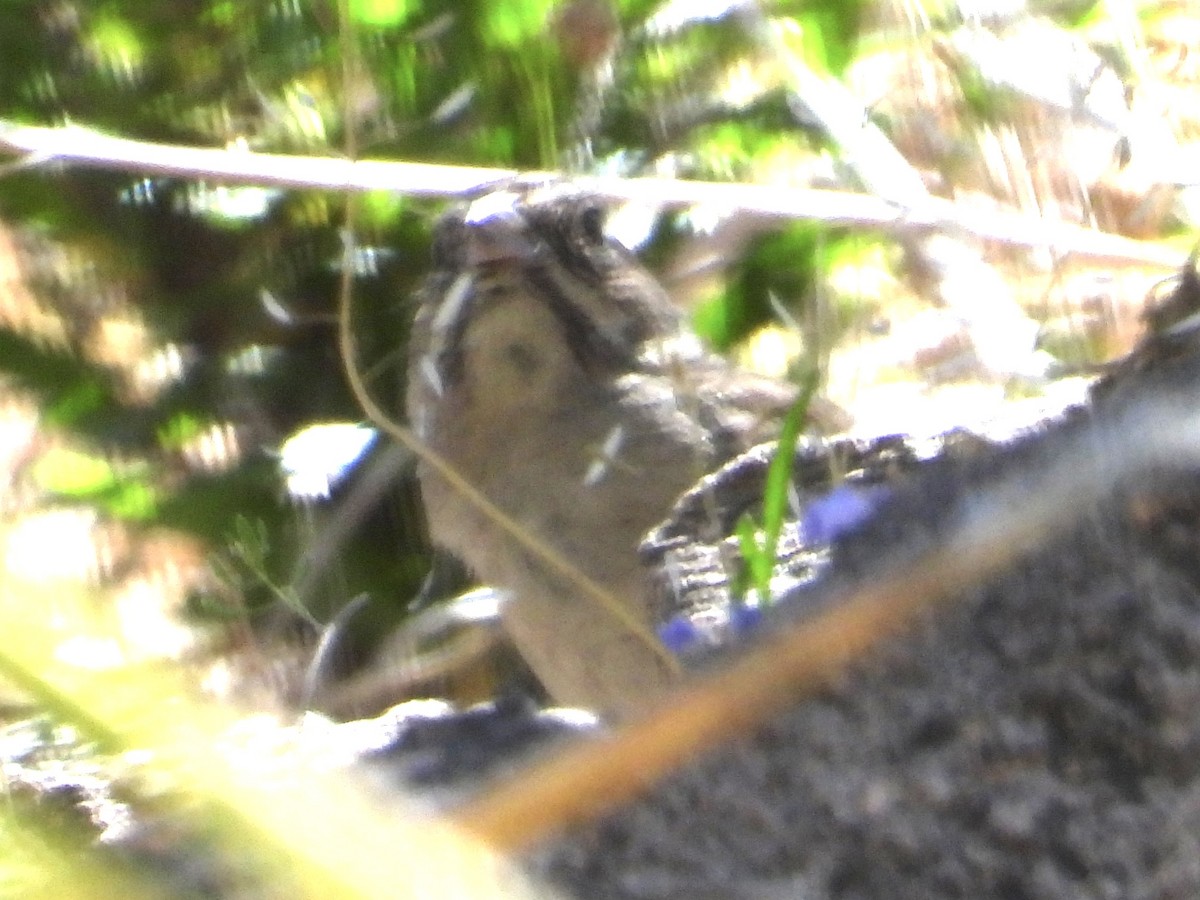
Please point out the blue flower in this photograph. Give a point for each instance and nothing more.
(841, 510)
(679, 634)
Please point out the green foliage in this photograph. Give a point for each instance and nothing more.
(787, 270)
(79, 477)
(72, 394)
(383, 13)
(233, 290)
(246, 566)
(829, 33)
(475, 82)
(759, 541)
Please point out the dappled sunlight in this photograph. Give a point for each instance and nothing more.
(66, 545)
(944, 222)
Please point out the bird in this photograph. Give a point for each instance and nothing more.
(550, 369)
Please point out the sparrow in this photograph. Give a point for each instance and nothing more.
(551, 370)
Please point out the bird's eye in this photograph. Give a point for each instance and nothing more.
(591, 224)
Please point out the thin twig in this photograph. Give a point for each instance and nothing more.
(587, 587)
(73, 145)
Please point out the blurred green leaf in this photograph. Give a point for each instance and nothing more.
(116, 46)
(72, 473)
(380, 13)
(73, 393)
(829, 32)
(759, 543)
(514, 22)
